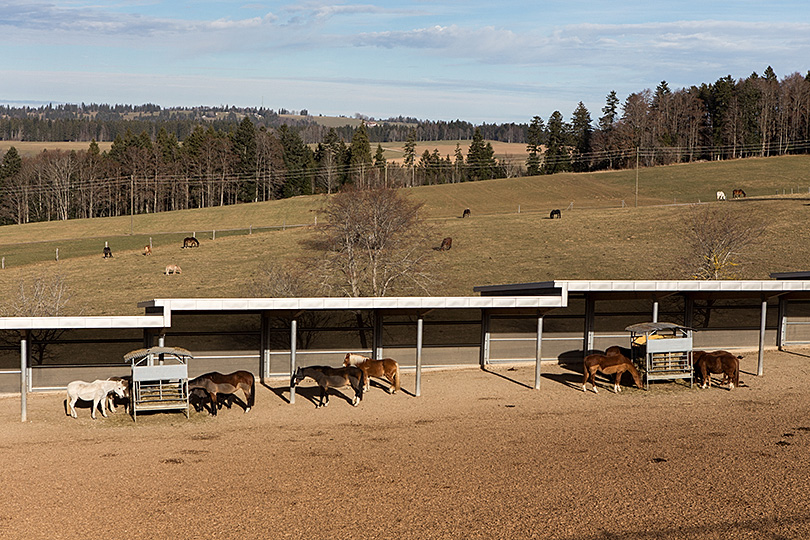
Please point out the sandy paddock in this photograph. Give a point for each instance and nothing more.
(479, 455)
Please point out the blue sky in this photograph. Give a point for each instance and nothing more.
(493, 61)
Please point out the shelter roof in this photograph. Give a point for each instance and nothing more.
(143, 353)
(647, 327)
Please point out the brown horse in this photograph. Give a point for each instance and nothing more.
(216, 383)
(387, 367)
(328, 377)
(608, 364)
(190, 242)
(717, 362)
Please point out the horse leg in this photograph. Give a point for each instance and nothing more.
(617, 382)
(585, 379)
(248, 398)
(213, 397)
(72, 404)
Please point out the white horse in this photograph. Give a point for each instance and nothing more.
(721, 196)
(95, 391)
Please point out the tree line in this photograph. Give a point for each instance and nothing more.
(226, 160)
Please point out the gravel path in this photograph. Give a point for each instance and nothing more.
(479, 455)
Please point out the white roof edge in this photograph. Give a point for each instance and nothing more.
(96, 322)
(383, 302)
(588, 285)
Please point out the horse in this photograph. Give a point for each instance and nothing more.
(608, 364)
(466, 213)
(387, 367)
(447, 243)
(190, 242)
(95, 391)
(216, 383)
(717, 362)
(172, 269)
(555, 213)
(126, 397)
(721, 196)
(329, 377)
(147, 250)
(107, 252)
(738, 194)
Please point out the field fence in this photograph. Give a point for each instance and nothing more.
(21, 253)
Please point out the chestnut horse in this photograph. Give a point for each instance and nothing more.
(387, 367)
(216, 383)
(608, 364)
(328, 377)
(717, 362)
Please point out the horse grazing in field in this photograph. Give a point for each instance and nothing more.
(555, 214)
(608, 364)
(215, 383)
(190, 242)
(387, 367)
(466, 213)
(329, 377)
(95, 391)
(147, 250)
(125, 381)
(723, 362)
(738, 194)
(721, 196)
(447, 243)
(172, 269)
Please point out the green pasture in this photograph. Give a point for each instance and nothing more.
(509, 237)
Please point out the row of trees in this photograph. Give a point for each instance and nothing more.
(755, 116)
(146, 172)
(212, 167)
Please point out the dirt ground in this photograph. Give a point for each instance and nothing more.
(478, 455)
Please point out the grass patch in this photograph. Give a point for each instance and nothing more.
(595, 239)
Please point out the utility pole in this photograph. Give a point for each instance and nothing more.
(131, 202)
(636, 176)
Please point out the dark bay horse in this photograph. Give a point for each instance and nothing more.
(608, 364)
(387, 367)
(706, 363)
(328, 377)
(216, 383)
(190, 242)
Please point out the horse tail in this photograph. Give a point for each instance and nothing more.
(252, 398)
(737, 374)
(396, 377)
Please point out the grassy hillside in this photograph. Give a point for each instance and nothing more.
(595, 239)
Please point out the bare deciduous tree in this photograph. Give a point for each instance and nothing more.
(374, 242)
(43, 297)
(718, 240)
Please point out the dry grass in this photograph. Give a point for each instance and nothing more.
(32, 148)
(597, 239)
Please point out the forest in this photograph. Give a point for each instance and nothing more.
(172, 159)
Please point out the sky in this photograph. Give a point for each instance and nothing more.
(481, 61)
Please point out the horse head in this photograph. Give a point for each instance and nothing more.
(297, 377)
(120, 389)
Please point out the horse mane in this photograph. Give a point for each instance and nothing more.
(355, 359)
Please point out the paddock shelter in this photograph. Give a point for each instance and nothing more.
(554, 321)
